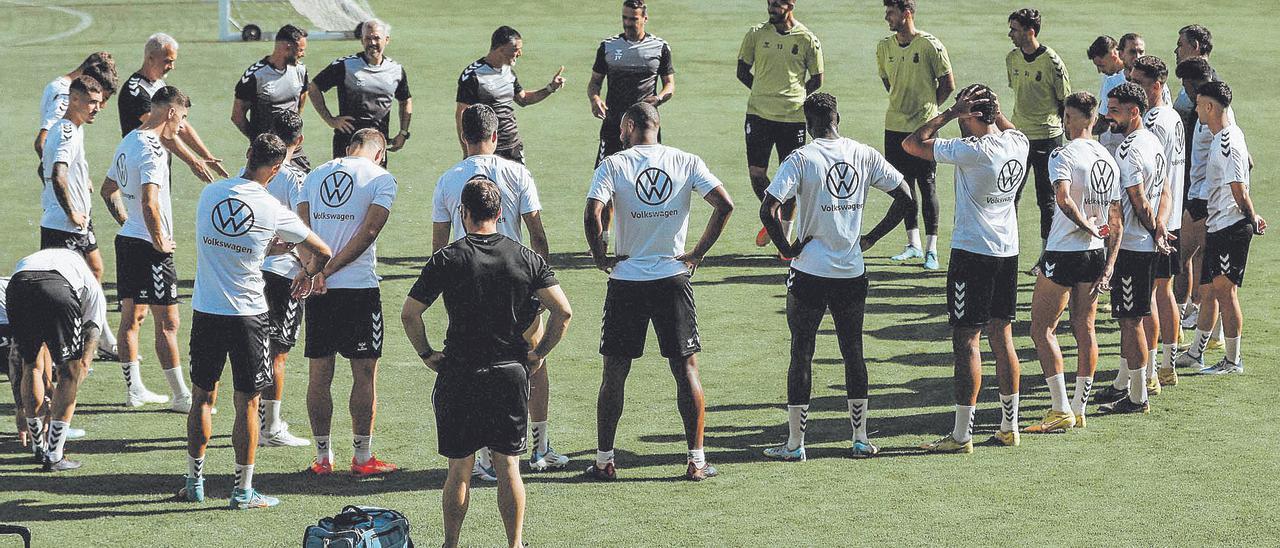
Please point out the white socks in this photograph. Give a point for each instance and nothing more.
(603, 458)
(269, 411)
(797, 417)
(324, 451)
(361, 445)
(1138, 385)
(132, 377)
(35, 428)
(195, 467)
(698, 457)
(107, 339)
(931, 243)
(1202, 341)
(1233, 350)
(177, 387)
(1058, 392)
(1122, 376)
(963, 430)
(244, 476)
(1084, 388)
(858, 418)
(913, 238)
(540, 438)
(57, 438)
(1008, 412)
(1152, 356)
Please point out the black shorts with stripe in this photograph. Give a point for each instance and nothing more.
(1226, 253)
(143, 274)
(981, 288)
(1068, 268)
(1131, 284)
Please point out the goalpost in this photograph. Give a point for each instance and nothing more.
(250, 20)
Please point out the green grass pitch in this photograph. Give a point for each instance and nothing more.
(1201, 469)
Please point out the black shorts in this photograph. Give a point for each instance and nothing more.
(83, 244)
(824, 293)
(1168, 266)
(1131, 284)
(345, 321)
(478, 407)
(610, 138)
(911, 167)
(1226, 252)
(6, 339)
(1068, 268)
(44, 311)
(630, 305)
(515, 153)
(243, 339)
(143, 274)
(283, 312)
(765, 135)
(981, 288)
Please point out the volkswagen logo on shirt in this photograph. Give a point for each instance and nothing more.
(1010, 176)
(121, 171)
(232, 217)
(336, 189)
(842, 180)
(653, 186)
(1101, 177)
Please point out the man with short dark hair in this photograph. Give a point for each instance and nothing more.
(99, 65)
(137, 193)
(1078, 261)
(780, 61)
(1231, 225)
(67, 222)
(237, 223)
(493, 288)
(982, 284)
(491, 80)
(651, 186)
(158, 57)
(520, 205)
(1147, 203)
(277, 82)
(916, 71)
(635, 63)
(1132, 46)
(1040, 84)
(347, 202)
(1104, 53)
(367, 82)
(56, 307)
(829, 178)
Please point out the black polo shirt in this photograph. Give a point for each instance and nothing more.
(489, 282)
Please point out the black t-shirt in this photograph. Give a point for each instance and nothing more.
(632, 69)
(483, 83)
(488, 282)
(365, 92)
(135, 101)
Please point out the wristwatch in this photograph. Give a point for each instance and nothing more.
(406, 135)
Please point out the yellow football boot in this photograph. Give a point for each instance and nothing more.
(948, 444)
(1167, 376)
(1007, 439)
(1054, 422)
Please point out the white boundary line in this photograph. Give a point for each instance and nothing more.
(86, 21)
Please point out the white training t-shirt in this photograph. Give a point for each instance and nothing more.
(286, 187)
(65, 144)
(339, 194)
(1093, 175)
(651, 187)
(71, 266)
(1142, 164)
(829, 180)
(1201, 142)
(235, 222)
(53, 104)
(989, 170)
(514, 182)
(1167, 126)
(1228, 163)
(141, 160)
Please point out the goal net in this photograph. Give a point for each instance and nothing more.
(259, 19)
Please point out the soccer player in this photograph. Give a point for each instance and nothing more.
(492, 80)
(137, 192)
(780, 61)
(916, 71)
(55, 305)
(346, 202)
(829, 178)
(1231, 225)
(520, 204)
(650, 186)
(284, 311)
(982, 285)
(367, 82)
(493, 289)
(1040, 83)
(1147, 204)
(1131, 47)
(1104, 55)
(1078, 260)
(1150, 73)
(237, 221)
(158, 58)
(66, 222)
(276, 83)
(99, 65)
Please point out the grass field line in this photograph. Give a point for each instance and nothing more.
(86, 21)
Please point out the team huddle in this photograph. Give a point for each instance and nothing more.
(1130, 202)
